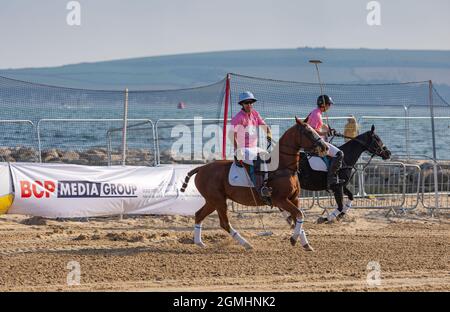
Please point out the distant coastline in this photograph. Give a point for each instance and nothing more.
(190, 70)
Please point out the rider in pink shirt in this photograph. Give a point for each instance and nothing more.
(246, 124)
(314, 119)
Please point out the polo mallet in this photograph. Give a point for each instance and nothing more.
(316, 62)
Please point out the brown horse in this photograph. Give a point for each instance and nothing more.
(212, 182)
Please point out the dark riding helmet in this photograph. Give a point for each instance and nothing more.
(321, 98)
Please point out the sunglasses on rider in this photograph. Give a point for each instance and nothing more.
(248, 102)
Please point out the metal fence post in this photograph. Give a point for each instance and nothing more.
(124, 131)
(436, 185)
(407, 131)
(109, 142)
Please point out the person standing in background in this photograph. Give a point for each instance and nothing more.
(351, 129)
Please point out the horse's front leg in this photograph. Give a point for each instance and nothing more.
(331, 217)
(299, 218)
(347, 205)
(339, 197)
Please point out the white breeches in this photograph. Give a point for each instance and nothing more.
(248, 154)
(332, 150)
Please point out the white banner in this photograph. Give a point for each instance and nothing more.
(62, 190)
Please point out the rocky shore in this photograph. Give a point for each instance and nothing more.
(91, 157)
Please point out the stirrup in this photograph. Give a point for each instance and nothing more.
(266, 195)
(265, 191)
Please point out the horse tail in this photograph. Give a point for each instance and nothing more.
(188, 177)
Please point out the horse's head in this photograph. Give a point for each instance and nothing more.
(375, 146)
(309, 140)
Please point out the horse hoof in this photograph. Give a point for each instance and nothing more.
(200, 244)
(308, 247)
(340, 216)
(293, 241)
(321, 220)
(289, 221)
(248, 247)
(330, 221)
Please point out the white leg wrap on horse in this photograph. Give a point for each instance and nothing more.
(334, 214)
(347, 206)
(297, 229)
(238, 237)
(303, 238)
(198, 234)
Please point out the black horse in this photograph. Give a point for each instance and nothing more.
(317, 180)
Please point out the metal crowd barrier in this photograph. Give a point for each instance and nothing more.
(385, 185)
(436, 196)
(382, 185)
(201, 122)
(136, 127)
(97, 121)
(24, 138)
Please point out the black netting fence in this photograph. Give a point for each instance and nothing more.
(54, 124)
(400, 112)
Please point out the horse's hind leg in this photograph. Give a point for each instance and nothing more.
(292, 207)
(225, 224)
(200, 215)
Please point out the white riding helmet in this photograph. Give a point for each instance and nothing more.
(245, 96)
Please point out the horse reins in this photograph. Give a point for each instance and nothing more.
(297, 154)
(377, 151)
(367, 148)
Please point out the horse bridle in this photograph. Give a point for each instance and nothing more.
(373, 151)
(378, 150)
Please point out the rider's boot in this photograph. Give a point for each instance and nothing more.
(336, 164)
(264, 190)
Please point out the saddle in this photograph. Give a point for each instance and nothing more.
(316, 163)
(245, 175)
(239, 175)
(310, 178)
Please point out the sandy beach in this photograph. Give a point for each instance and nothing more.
(156, 253)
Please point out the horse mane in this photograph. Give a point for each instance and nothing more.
(287, 131)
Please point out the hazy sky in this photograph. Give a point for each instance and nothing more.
(35, 32)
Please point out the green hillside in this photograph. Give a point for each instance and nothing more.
(340, 65)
